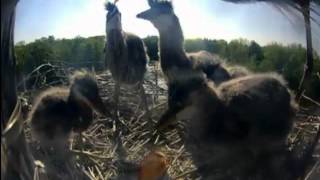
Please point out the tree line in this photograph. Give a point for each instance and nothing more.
(287, 60)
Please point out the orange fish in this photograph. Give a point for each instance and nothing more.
(153, 166)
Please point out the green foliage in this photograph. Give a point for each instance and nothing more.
(194, 45)
(238, 51)
(85, 52)
(151, 43)
(213, 46)
(31, 55)
(286, 60)
(255, 53)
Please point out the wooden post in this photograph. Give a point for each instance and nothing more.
(20, 164)
(8, 84)
(308, 67)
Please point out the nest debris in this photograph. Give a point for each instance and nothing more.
(94, 155)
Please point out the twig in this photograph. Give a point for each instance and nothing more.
(309, 152)
(312, 170)
(88, 174)
(99, 172)
(152, 109)
(92, 174)
(311, 100)
(86, 153)
(177, 156)
(185, 174)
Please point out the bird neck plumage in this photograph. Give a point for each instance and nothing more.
(171, 46)
(171, 37)
(114, 36)
(76, 104)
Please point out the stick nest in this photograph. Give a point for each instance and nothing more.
(94, 155)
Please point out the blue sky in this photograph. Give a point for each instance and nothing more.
(199, 18)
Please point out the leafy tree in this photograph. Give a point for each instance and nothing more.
(238, 51)
(255, 52)
(194, 45)
(21, 43)
(85, 52)
(151, 43)
(275, 58)
(88, 53)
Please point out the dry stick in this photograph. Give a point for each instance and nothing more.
(117, 122)
(137, 108)
(117, 141)
(311, 100)
(145, 102)
(154, 108)
(38, 74)
(88, 174)
(116, 100)
(152, 83)
(312, 170)
(14, 135)
(147, 112)
(176, 158)
(310, 123)
(308, 154)
(185, 174)
(92, 174)
(99, 172)
(94, 161)
(294, 139)
(86, 153)
(159, 105)
(156, 79)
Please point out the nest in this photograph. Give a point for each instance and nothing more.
(94, 154)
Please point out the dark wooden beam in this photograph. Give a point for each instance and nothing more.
(308, 67)
(20, 162)
(8, 84)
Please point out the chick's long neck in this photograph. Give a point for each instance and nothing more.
(171, 46)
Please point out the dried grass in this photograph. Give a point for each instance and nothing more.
(95, 156)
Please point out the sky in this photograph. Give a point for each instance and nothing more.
(213, 19)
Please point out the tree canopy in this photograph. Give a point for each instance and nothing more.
(87, 52)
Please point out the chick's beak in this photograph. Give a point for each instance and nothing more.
(145, 15)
